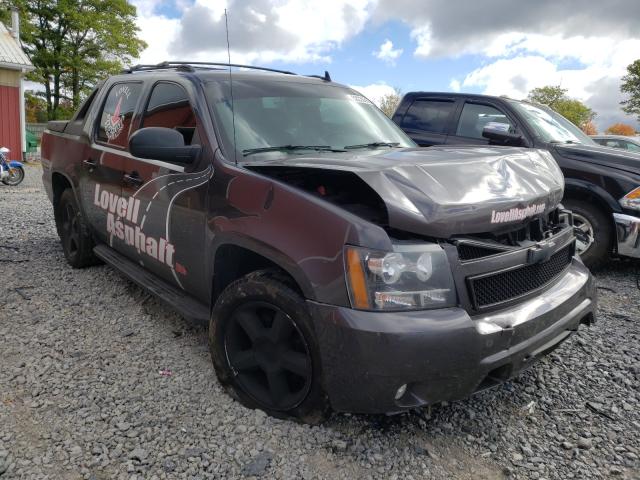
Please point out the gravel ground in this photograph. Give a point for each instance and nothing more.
(100, 381)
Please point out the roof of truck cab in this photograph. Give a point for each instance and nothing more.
(456, 95)
(209, 74)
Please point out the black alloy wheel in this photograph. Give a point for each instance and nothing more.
(77, 243)
(264, 348)
(70, 229)
(269, 356)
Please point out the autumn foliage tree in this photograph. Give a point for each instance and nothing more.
(620, 129)
(589, 128)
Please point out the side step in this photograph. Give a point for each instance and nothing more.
(185, 305)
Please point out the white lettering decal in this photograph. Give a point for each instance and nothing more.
(122, 222)
(515, 214)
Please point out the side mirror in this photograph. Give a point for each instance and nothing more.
(498, 135)
(165, 144)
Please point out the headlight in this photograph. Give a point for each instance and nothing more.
(412, 277)
(631, 200)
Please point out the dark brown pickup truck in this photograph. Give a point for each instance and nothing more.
(337, 264)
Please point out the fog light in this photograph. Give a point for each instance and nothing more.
(401, 391)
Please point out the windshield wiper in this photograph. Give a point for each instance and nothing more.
(290, 148)
(565, 142)
(373, 145)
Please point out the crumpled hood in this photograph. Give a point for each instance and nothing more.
(444, 191)
(611, 157)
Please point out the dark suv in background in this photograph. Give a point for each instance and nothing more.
(602, 184)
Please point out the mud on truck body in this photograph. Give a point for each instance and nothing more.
(337, 265)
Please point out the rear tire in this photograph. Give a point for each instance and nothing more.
(264, 350)
(593, 222)
(77, 243)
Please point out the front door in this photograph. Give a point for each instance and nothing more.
(473, 118)
(169, 199)
(103, 161)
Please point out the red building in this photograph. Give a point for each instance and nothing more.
(14, 63)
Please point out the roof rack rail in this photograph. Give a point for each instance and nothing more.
(189, 67)
(192, 66)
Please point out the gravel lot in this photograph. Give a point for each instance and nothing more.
(100, 381)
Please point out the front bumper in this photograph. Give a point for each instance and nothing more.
(628, 234)
(443, 354)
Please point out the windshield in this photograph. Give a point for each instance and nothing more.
(549, 125)
(288, 118)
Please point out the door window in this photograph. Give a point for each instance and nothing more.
(169, 107)
(613, 144)
(475, 117)
(630, 146)
(117, 113)
(428, 115)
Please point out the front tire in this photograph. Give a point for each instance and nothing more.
(77, 243)
(16, 176)
(264, 350)
(595, 233)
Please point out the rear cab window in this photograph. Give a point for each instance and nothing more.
(429, 115)
(117, 114)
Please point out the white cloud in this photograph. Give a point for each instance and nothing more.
(422, 36)
(387, 53)
(538, 61)
(583, 46)
(375, 91)
(260, 31)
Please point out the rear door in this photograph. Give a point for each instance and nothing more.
(473, 117)
(167, 236)
(427, 120)
(101, 177)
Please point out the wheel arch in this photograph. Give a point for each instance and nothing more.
(581, 190)
(59, 183)
(232, 259)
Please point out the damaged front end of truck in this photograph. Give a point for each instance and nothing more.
(428, 274)
(481, 279)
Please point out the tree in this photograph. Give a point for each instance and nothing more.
(575, 111)
(549, 95)
(556, 98)
(35, 108)
(631, 86)
(74, 43)
(390, 101)
(5, 14)
(620, 129)
(589, 128)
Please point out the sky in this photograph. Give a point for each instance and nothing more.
(497, 47)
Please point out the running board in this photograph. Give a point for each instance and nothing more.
(184, 304)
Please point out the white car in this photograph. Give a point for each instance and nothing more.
(618, 141)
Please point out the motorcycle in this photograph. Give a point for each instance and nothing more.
(11, 171)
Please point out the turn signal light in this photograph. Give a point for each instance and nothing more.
(359, 293)
(631, 200)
